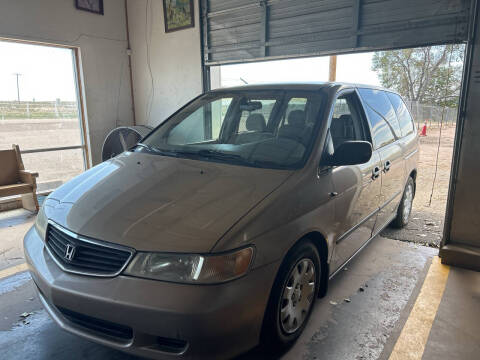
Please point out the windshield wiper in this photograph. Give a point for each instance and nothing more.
(219, 155)
(148, 147)
(210, 154)
(205, 154)
(266, 164)
(159, 151)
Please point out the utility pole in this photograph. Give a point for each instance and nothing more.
(18, 86)
(332, 76)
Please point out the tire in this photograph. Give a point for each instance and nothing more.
(405, 208)
(292, 297)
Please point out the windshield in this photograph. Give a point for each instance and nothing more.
(262, 129)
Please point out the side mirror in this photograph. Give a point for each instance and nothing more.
(351, 153)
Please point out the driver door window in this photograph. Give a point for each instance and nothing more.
(347, 123)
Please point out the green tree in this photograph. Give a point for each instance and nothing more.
(429, 75)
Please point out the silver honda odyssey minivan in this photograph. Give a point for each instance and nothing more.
(219, 230)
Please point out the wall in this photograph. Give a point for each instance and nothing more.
(462, 241)
(102, 43)
(174, 59)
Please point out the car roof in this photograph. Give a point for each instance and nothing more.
(308, 86)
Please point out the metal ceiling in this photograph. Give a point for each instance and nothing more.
(249, 30)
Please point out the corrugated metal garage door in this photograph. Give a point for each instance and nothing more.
(245, 30)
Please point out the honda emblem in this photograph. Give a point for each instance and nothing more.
(69, 252)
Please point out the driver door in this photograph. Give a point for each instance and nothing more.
(357, 187)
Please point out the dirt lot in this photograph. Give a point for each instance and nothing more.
(426, 224)
(54, 167)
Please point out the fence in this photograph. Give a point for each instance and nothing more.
(50, 138)
(432, 114)
(38, 110)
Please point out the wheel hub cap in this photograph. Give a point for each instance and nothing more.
(407, 203)
(297, 296)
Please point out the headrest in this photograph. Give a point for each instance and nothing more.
(346, 119)
(255, 122)
(296, 118)
(342, 127)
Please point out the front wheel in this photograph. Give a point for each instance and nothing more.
(405, 207)
(293, 296)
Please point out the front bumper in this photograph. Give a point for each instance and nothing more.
(213, 321)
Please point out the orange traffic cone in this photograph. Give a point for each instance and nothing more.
(424, 130)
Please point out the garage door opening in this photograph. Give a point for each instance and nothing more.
(40, 112)
(428, 78)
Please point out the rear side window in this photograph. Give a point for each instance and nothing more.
(404, 118)
(380, 103)
(381, 116)
(382, 134)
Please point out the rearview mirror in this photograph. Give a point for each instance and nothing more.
(351, 153)
(251, 105)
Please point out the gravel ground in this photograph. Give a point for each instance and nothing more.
(54, 167)
(426, 222)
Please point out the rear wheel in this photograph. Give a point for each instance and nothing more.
(405, 207)
(293, 296)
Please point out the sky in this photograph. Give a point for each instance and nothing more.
(47, 72)
(354, 68)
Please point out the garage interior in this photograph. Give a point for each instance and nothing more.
(395, 300)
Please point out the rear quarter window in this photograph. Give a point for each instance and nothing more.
(405, 120)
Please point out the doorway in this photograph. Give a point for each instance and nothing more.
(40, 110)
(433, 105)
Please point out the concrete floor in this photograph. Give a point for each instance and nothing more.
(381, 284)
(455, 332)
(13, 225)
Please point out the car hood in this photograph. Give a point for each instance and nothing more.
(159, 203)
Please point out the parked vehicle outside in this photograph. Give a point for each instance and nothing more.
(222, 227)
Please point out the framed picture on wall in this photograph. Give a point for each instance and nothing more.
(178, 14)
(94, 6)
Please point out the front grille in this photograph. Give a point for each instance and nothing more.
(99, 326)
(79, 255)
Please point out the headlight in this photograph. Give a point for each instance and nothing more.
(41, 222)
(197, 269)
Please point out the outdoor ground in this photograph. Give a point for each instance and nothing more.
(426, 222)
(54, 167)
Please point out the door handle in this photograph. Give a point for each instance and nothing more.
(387, 165)
(375, 172)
